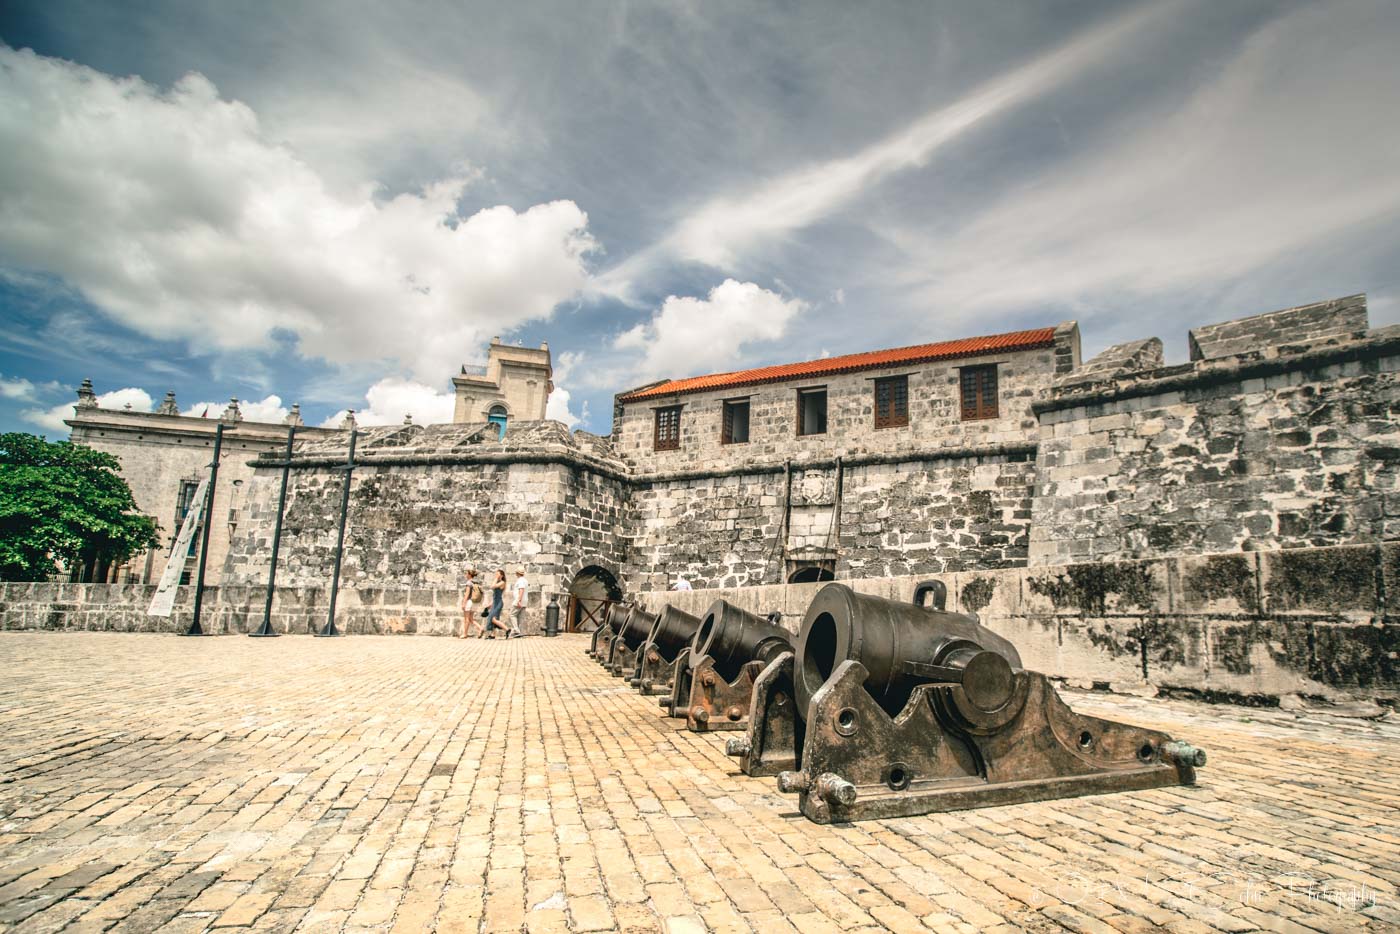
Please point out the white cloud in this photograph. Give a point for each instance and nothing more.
(16, 388)
(1278, 151)
(389, 400)
(558, 406)
(693, 335)
(175, 214)
(52, 418)
(269, 409)
(23, 390)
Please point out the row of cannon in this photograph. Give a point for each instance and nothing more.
(879, 708)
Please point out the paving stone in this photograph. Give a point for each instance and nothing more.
(573, 806)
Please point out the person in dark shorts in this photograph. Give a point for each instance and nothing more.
(498, 605)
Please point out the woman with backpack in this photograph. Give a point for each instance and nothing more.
(472, 597)
(498, 593)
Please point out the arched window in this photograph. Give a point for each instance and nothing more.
(497, 416)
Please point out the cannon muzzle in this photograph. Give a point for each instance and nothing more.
(901, 645)
(735, 637)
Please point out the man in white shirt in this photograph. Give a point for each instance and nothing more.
(517, 614)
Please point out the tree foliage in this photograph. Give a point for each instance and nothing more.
(63, 502)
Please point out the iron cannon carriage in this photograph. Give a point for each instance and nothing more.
(887, 709)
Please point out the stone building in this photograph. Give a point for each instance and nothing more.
(163, 456)
(863, 465)
(514, 385)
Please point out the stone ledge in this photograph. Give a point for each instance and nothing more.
(1214, 372)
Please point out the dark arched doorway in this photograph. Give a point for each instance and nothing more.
(810, 570)
(591, 592)
(810, 575)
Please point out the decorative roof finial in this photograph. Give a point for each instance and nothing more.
(168, 406)
(87, 399)
(408, 418)
(232, 414)
(294, 416)
(349, 422)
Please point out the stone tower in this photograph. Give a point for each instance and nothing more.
(515, 384)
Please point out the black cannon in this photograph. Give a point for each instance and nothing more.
(657, 658)
(606, 634)
(906, 710)
(774, 740)
(635, 629)
(730, 648)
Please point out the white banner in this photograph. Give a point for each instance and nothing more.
(164, 602)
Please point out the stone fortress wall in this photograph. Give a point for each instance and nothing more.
(1274, 445)
(426, 502)
(1280, 432)
(1318, 622)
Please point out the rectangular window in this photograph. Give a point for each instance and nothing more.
(979, 391)
(735, 428)
(183, 504)
(811, 411)
(892, 402)
(668, 428)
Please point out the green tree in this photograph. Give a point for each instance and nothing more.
(63, 502)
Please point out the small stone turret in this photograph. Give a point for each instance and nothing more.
(232, 414)
(294, 416)
(87, 399)
(168, 406)
(514, 385)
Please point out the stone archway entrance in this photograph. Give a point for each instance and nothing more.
(811, 572)
(592, 591)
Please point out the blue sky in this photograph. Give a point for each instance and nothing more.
(338, 203)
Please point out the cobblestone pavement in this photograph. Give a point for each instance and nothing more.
(413, 783)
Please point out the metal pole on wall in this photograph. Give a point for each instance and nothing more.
(329, 629)
(195, 629)
(266, 630)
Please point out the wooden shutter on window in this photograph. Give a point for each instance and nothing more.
(668, 428)
(892, 402)
(979, 392)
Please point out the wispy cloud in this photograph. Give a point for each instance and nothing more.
(731, 224)
(1276, 151)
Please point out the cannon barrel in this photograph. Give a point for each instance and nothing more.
(617, 616)
(901, 645)
(673, 631)
(635, 628)
(734, 637)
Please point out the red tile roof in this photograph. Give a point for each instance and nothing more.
(850, 363)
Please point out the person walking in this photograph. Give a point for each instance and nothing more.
(472, 598)
(498, 603)
(517, 609)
